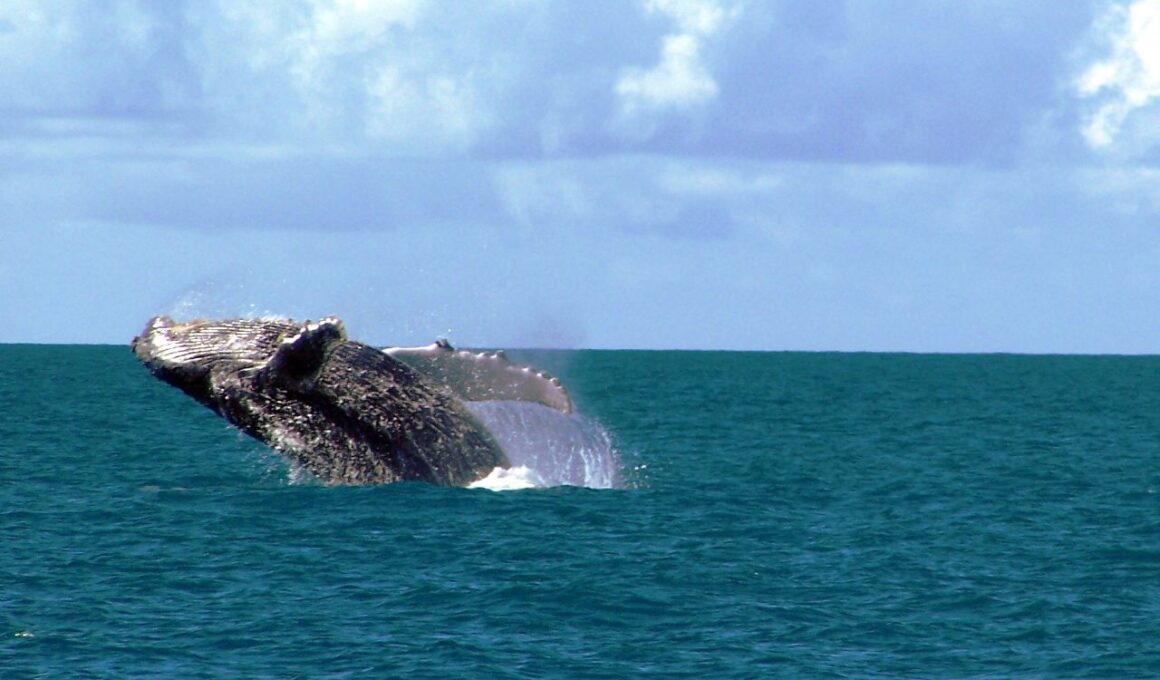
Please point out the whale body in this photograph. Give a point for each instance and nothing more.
(348, 412)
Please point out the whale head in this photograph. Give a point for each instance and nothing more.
(186, 354)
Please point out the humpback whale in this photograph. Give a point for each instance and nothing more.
(348, 412)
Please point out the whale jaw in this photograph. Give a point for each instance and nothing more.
(343, 410)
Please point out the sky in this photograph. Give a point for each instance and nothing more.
(853, 175)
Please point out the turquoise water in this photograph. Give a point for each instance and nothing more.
(776, 515)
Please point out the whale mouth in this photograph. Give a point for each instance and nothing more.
(186, 353)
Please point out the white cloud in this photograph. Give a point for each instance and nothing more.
(692, 16)
(340, 27)
(47, 32)
(411, 111)
(680, 80)
(1127, 82)
(377, 65)
(424, 78)
(405, 77)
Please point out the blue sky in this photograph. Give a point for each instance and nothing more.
(915, 175)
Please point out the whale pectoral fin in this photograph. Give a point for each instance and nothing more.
(300, 355)
(483, 376)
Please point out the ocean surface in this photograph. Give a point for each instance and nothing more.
(782, 515)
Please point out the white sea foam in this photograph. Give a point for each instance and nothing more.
(548, 448)
(509, 479)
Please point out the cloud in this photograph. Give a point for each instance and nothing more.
(1126, 83)
(346, 26)
(381, 66)
(826, 81)
(413, 78)
(122, 60)
(921, 83)
(680, 80)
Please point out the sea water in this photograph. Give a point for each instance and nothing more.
(705, 515)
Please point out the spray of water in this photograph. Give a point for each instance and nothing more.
(547, 448)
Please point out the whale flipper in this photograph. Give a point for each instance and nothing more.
(483, 376)
(300, 356)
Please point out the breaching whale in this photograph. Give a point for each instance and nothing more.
(348, 412)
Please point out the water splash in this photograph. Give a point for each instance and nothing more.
(547, 448)
(220, 297)
(509, 479)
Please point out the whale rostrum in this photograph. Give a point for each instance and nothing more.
(347, 412)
